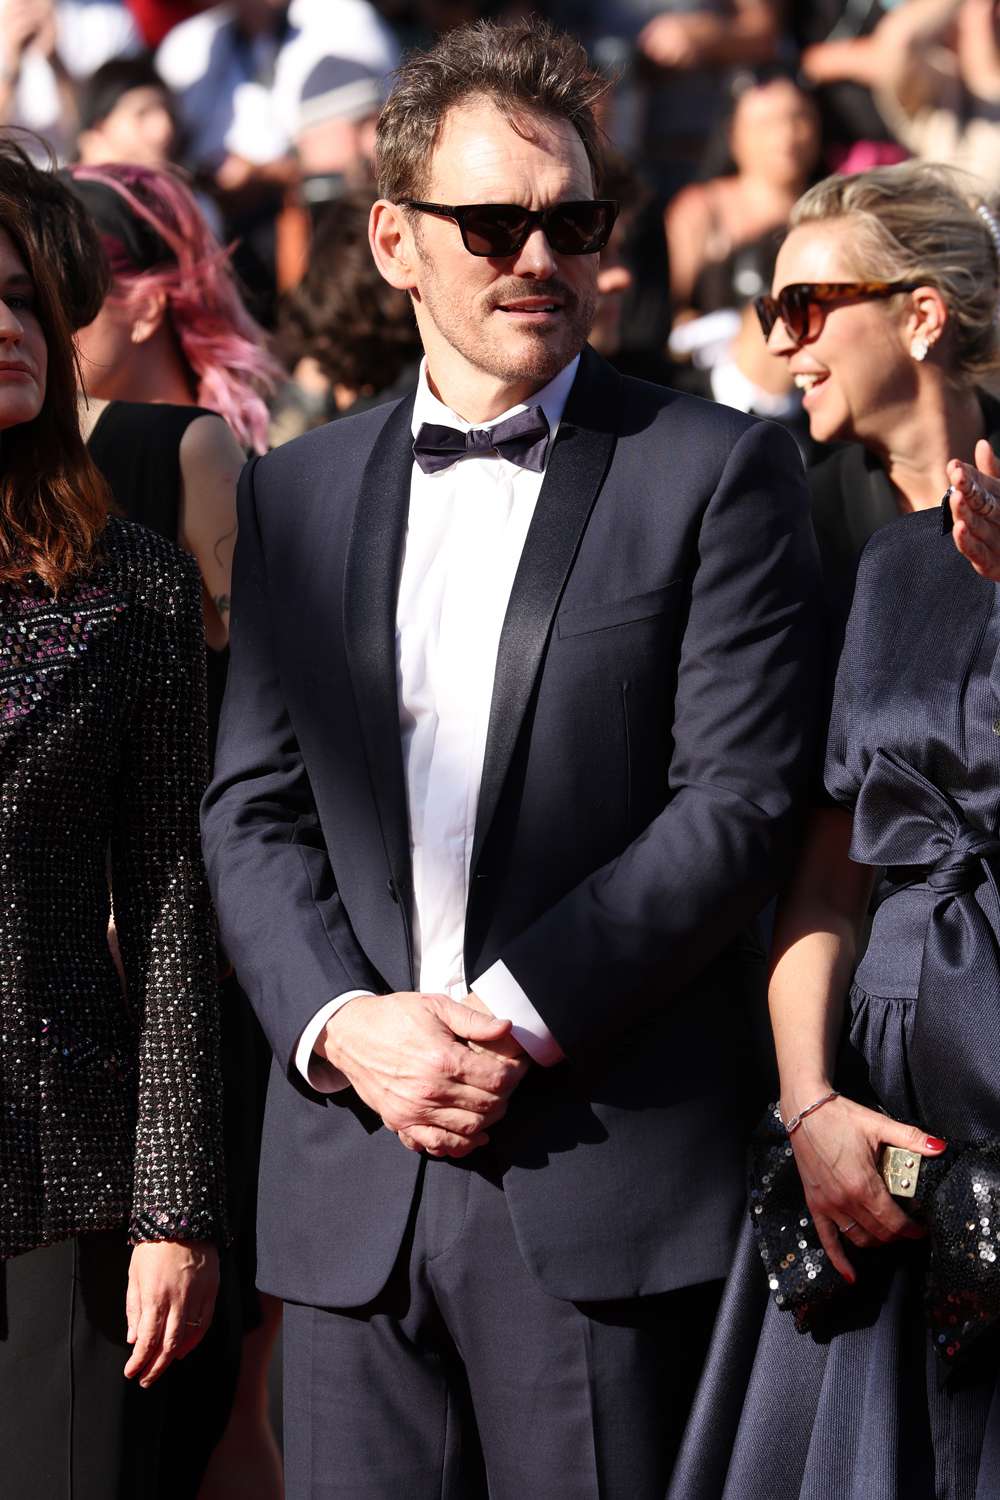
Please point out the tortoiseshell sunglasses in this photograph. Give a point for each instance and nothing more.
(795, 304)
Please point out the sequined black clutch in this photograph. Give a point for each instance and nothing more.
(957, 1196)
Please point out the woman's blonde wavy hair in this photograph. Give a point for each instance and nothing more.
(919, 221)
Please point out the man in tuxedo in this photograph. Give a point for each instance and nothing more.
(520, 715)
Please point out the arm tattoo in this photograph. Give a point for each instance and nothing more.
(221, 602)
(215, 549)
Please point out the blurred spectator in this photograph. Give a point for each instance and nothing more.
(831, 35)
(155, 18)
(126, 114)
(721, 233)
(335, 137)
(674, 56)
(684, 36)
(616, 278)
(46, 46)
(334, 146)
(633, 314)
(238, 69)
(732, 365)
(349, 338)
(937, 68)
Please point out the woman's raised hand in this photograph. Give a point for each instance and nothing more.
(837, 1150)
(975, 510)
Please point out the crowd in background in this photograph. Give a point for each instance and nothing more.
(720, 115)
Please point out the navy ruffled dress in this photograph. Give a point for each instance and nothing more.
(914, 754)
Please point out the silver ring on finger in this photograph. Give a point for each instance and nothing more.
(193, 1323)
(846, 1228)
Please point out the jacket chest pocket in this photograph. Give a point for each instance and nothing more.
(588, 619)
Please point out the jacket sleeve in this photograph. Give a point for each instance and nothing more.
(282, 920)
(162, 911)
(745, 730)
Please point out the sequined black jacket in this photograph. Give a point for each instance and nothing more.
(109, 1107)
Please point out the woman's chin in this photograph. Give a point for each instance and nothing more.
(17, 407)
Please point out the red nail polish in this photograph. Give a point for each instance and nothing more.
(935, 1143)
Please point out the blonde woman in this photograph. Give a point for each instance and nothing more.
(883, 306)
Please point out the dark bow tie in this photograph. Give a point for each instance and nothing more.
(522, 439)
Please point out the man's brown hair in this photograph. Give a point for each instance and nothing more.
(529, 68)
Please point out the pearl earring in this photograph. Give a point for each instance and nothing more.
(920, 349)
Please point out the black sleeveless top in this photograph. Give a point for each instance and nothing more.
(136, 445)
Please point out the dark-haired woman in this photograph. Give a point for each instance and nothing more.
(110, 1125)
(721, 233)
(170, 332)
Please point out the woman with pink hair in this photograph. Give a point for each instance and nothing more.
(173, 329)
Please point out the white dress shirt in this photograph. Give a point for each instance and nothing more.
(465, 533)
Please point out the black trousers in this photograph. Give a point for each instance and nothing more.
(71, 1426)
(465, 1379)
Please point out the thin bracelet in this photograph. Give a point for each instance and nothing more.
(796, 1120)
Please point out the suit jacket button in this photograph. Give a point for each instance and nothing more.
(390, 886)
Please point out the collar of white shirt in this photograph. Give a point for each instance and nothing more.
(551, 398)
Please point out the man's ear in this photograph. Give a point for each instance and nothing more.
(391, 237)
(148, 317)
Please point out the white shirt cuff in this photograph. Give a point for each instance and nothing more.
(317, 1072)
(498, 989)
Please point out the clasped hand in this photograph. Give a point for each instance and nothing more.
(837, 1151)
(439, 1072)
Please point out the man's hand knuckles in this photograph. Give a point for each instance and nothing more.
(425, 1092)
(492, 1077)
(439, 1062)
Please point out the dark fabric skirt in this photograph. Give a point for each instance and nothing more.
(865, 1417)
(71, 1426)
(868, 1415)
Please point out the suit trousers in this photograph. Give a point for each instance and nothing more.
(463, 1378)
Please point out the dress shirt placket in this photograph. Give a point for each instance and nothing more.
(484, 539)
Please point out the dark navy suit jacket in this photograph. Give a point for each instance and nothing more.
(649, 746)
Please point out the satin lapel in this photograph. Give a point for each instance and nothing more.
(374, 558)
(573, 478)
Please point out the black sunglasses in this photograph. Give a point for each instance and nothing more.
(795, 304)
(501, 229)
